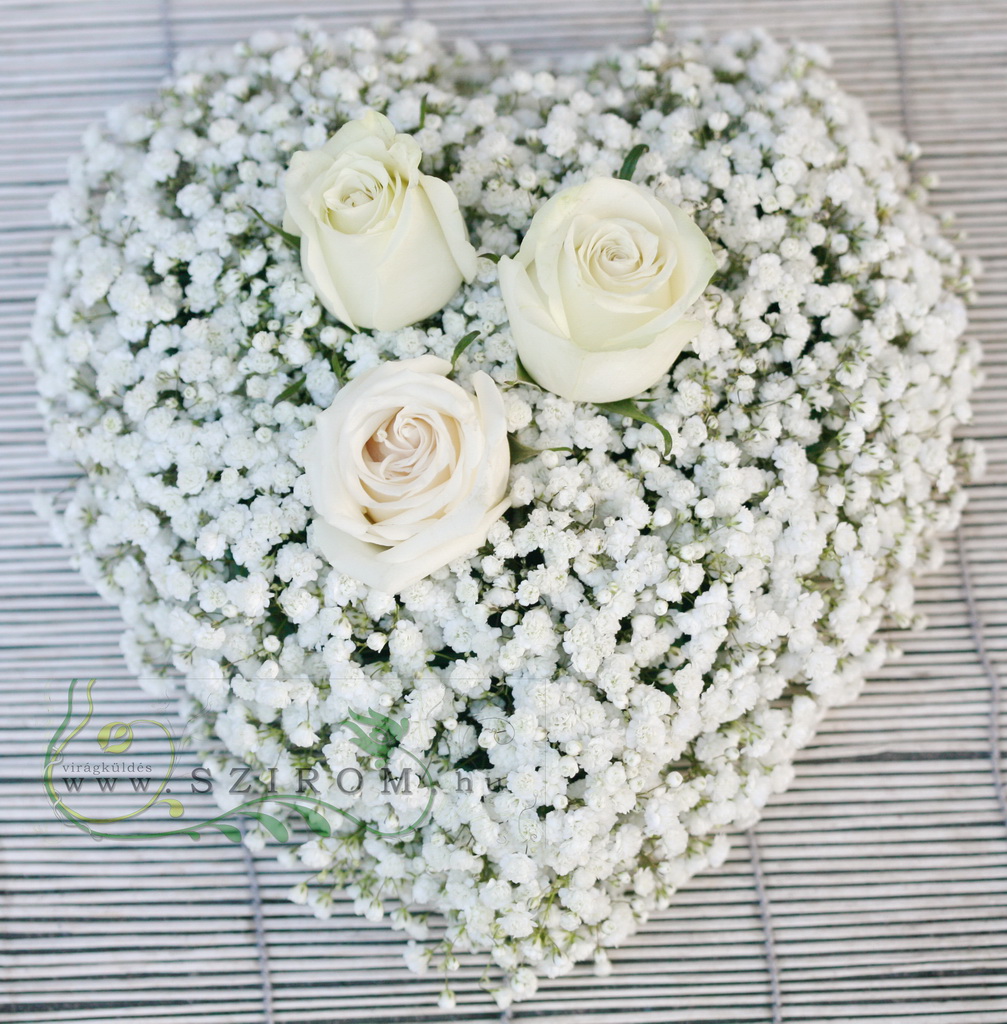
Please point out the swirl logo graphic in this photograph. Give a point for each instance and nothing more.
(374, 733)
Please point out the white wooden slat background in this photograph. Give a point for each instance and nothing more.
(884, 868)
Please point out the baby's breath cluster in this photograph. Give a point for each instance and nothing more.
(626, 668)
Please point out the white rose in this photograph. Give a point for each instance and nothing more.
(597, 294)
(382, 244)
(407, 471)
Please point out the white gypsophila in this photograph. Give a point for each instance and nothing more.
(627, 666)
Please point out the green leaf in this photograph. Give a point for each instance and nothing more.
(289, 391)
(462, 345)
(115, 737)
(627, 407)
(524, 377)
(229, 830)
(366, 743)
(291, 240)
(423, 113)
(175, 808)
(338, 367)
(384, 724)
(315, 821)
(632, 159)
(825, 442)
(368, 746)
(522, 453)
(275, 827)
(492, 256)
(372, 717)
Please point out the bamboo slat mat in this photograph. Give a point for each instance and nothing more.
(874, 890)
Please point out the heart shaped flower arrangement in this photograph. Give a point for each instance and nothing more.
(403, 394)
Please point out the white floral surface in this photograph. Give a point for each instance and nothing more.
(661, 634)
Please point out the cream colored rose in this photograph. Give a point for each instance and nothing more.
(382, 244)
(407, 471)
(597, 293)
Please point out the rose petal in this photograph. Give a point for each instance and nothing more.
(444, 488)
(382, 245)
(570, 371)
(393, 569)
(606, 269)
(444, 203)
